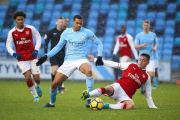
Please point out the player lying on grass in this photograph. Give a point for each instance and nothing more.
(122, 90)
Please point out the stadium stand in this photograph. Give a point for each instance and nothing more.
(104, 18)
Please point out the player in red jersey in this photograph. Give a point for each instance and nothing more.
(122, 90)
(125, 44)
(26, 53)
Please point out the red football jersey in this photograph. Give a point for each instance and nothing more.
(23, 40)
(132, 79)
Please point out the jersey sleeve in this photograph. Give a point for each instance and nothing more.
(116, 47)
(9, 43)
(131, 43)
(122, 66)
(59, 46)
(137, 40)
(37, 36)
(95, 40)
(147, 88)
(47, 37)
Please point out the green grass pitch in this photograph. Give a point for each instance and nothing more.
(16, 103)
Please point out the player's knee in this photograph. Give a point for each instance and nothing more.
(130, 106)
(88, 72)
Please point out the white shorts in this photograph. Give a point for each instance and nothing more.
(156, 63)
(150, 66)
(124, 59)
(119, 94)
(29, 65)
(68, 67)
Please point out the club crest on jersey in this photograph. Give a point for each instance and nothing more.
(143, 76)
(152, 39)
(27, 32)
(82, 37)
(54, 33)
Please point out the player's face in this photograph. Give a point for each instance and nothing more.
(77, 24)
(20, 21)
(60, 23)
(123, 30)
(66, 22)
(146, 26)
(143, 62)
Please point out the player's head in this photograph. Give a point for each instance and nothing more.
(146, 25)
(60, 22)
(123, 29)
(77, 22)
(66, 22)
(19, 18)
(143, 60)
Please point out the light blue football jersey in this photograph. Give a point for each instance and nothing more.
(156, 57)
(76, 44)
(149, 38)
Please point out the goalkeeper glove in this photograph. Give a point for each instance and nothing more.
(41, 60)
(34, 53)
(17, 56)
(99, 61)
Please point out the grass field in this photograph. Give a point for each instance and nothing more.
(16, 103)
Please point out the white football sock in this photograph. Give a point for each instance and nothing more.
(116, 106)
(33, 91)
(96, 92)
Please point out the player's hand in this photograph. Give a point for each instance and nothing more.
(113, 57)
(41, 60)
(17, 56)
(34, 53)
(99, 61)
(154, 49)
(91, 58)
(144, 44)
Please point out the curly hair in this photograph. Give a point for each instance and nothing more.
(19, 13)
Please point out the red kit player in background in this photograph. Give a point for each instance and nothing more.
(26, 53)
(122, 90)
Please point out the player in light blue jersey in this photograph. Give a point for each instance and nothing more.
(146, 43)
(76, 40)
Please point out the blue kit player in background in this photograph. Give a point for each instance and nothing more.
(76, 40)
(146, 43)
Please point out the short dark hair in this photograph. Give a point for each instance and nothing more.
(146, 55)
(78, 17)
(60, 17)
(19, 13)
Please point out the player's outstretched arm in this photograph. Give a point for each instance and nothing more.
(147, 94)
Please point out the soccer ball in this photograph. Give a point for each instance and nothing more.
(96, 104)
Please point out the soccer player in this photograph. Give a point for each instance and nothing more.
(125, 44)
(76, 40)
(26, 53)
(122, 90)
(66, 22)
(57, 60)
(146, 43)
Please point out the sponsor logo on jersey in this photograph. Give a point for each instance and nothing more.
(54, 33)
(143, 76)
(152, 39)
(82, 37)
(27, 32)
(135, 78)
(23, 42)
(76, 44)
(16, 34)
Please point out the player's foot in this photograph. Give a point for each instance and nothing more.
(48, 105)
(87, 105)
(85, 95)
(39, 91)
(36, 99)
(64, 89)
(106, 106)
(60, 91)
(154, 87)
(142, 92)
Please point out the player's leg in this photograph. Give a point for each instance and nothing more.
(87, 70)
(126, 104)
(36, 72)
(25, 69)
(61, 87)
(156, 75)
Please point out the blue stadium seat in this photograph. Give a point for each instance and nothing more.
(73, 13)
(175, 66)
(29, 15)
(161, 15)
(2, 15)
(160, 46)
(94, 7)
(151, 16)
(142, 7)
(1, 23)
(119, 24)
(14, 2)
(141, 15)
(46, 16)
(161, 2)
(112, 15)
(28, 21)
(49, 7)
(92, 23)
(67, 2)
(65, 14)
(58, 7)
(139, 23)
(171, 8)
(110, 31)
(52, 23)
(138, 30)
(122, 15)
(36, 24)
(21, 7)
(123, 7)
(104, 7)
(123, 1)
(50, 1)
(160, 40)
(3, 8)
(4, 32)
(93, 15)
(167, 58)
(178, 2)
(151, 2)
(101, 39)
(169, 32)
(130, 23)
(23, 1)
(159, 24)
(111, 23)
(108, 39)
(168, 46)
(40, 1)
(106, 53)
(30, 7)
(170, 23)
(76, 6)
(107, 46)
(169, 40)
(177, 40)
(167, 52)
(55, 14)
(39, 8)
(178, 16)
(114, 7)
(130, 31)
